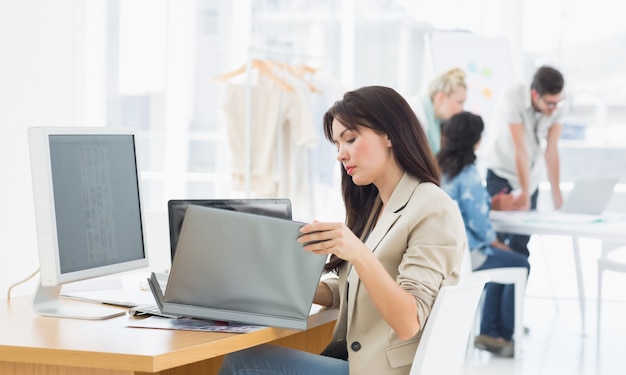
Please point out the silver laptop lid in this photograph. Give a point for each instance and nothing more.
(176, 208)
(589, 195)
(243, 268)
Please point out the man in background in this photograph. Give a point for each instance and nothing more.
(514, 161)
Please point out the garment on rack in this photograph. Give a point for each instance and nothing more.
(264, 112)
(281, 133)
(299, 137)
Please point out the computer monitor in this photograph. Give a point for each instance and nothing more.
(176, 208)
(87, 209)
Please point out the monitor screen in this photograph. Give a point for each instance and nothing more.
(279, 208)
(87, 204)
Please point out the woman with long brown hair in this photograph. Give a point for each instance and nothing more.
(403, 239)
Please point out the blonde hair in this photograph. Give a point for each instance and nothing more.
(447, 82)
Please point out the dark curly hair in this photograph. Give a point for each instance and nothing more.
(460, 134)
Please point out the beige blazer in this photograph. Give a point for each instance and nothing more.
(419, 239)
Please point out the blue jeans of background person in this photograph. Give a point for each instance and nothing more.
(275, 360)
(498, 315)
(497, 184)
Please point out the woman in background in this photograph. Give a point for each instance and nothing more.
(403, 239)
(462, 180)
(446, 96)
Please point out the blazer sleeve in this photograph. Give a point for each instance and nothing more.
(436, 241)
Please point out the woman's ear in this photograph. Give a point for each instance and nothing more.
(477, 145)
(438, 97)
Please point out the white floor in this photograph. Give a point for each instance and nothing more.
(555, 344)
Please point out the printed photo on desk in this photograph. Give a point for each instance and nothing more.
(190, 324)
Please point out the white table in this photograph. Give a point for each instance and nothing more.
(608, 228)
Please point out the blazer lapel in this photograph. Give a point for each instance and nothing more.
(398, 200)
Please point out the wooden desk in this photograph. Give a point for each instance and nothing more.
(611, 229)
(31, 344)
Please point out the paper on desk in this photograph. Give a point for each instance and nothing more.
(559, 217)
(545, 216)
(190, 324)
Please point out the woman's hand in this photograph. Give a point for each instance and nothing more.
(500, 245)
(395, 304)
(502, 202)
(331, 238)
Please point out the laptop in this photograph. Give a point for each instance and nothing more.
(589, 196)
(240, 267)
(584, 204)
(176, 208)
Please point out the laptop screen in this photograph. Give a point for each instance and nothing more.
(279, 208)
(590, 196)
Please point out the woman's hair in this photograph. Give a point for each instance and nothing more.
(386, 112)
(447, 83)
(547, 80)
(460, 134)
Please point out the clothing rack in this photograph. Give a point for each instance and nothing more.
(254, 53)
(289, 71)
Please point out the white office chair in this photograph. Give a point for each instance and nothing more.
(505, 275)
(444, 339)
(613, 258)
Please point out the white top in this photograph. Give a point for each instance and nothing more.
(282, 132)
(516, 108)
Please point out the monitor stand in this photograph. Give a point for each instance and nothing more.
(47, 302)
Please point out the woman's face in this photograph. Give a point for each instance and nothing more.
(447, 106)
(365, 155)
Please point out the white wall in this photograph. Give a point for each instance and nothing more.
(38, 75)
(52, 66)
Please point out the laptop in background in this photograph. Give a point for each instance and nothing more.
(241, 267)
(176, 208)
(584, 204)
(589, 196)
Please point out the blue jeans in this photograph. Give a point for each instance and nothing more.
(497, 184)
(275, 360)
(498, 315)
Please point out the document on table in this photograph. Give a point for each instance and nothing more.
(191, 324)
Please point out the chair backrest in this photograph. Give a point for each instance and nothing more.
(443, 344)
(466, 264)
